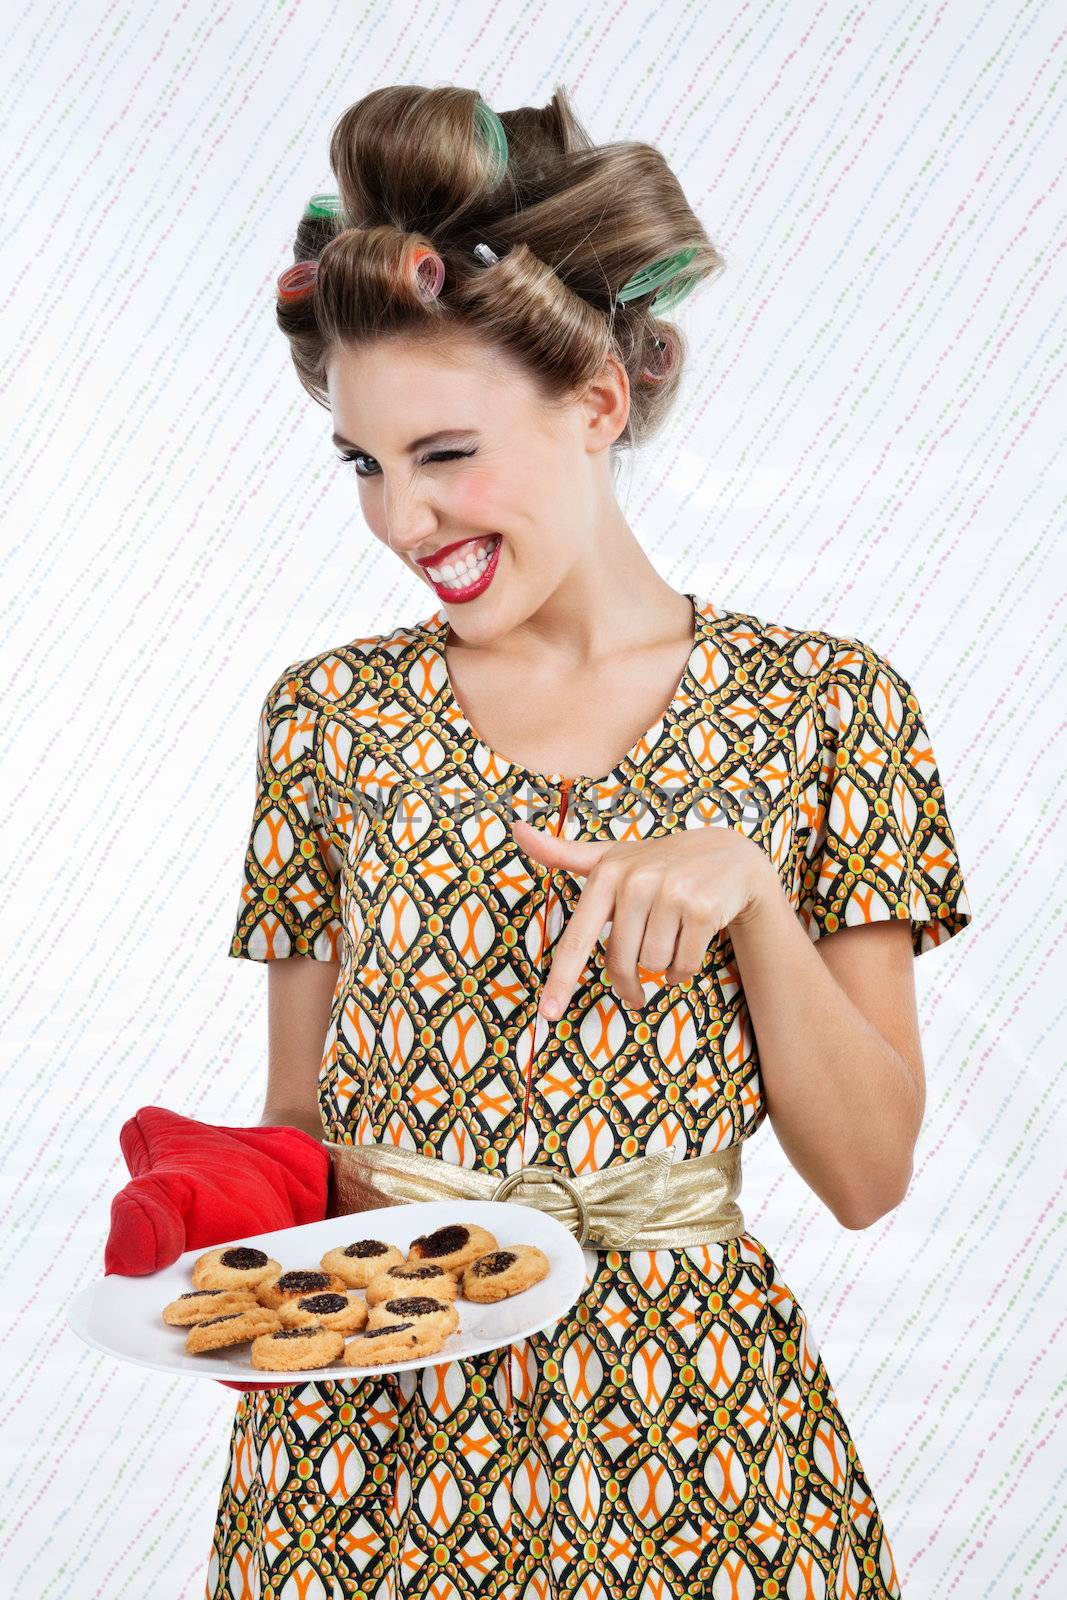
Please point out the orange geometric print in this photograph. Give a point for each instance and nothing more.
(675, 1433)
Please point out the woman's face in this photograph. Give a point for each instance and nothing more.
(494, 511)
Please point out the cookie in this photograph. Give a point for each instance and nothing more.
(290, 1349)
(500, 1273)
(282, 1286)
(393, 1341)
(346, 1312)
(235, 1266)
(358, 1262)
(412, 1277)
(232, 1327)
(423, 1310)
(454, 1246)
(198, 1304)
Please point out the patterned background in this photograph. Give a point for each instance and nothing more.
(868, 443)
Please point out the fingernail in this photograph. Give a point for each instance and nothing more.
(550, 1009)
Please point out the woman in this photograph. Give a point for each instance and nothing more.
(449, 816)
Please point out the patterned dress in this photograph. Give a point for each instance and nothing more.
(675, 1434)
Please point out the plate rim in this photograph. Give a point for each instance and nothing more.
(79, 1306)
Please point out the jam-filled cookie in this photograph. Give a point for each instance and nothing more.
(232, 1327)
(346, 1312)
(454, 1246)
(422, 1309)
(282, 1286)
(236, 1266)
(413, 1277)
(393, 1341)
(196, 1305)
(290, 1349)
(358, 1262)
(500, 1273)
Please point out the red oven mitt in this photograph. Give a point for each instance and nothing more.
(195, 1185)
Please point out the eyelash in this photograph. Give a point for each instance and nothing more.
(437, 455)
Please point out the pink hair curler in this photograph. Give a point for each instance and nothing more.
(428, 271)
(668, 355)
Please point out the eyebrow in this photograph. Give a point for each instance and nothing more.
(416, 444)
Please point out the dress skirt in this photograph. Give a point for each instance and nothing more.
(675, 1434)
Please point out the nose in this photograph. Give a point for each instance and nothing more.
(410, 520)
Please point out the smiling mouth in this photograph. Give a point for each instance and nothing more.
(465, 565)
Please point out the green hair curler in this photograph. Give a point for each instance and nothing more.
(660, 272)
(665, 300)
(323, 205)
(492, 132)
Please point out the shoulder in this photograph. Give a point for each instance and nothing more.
(841, 686)
(342, 677)
(780, 653)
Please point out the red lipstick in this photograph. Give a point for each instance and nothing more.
(457, 592)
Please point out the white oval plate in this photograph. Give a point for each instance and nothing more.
(124, 1316)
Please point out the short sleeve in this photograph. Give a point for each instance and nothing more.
(289, 900)
(881, 844)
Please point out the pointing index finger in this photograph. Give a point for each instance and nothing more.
(593, 910)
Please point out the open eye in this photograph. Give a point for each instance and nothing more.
(351, 457)
(355, 456)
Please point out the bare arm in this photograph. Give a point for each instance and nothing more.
(837, 1028)
(299, 994)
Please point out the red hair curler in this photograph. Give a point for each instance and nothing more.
(297, 281)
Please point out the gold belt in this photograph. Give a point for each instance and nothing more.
(648, 1203)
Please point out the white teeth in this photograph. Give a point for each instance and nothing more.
(461, 573)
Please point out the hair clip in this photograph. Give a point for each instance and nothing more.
(323, 205)
(427, 270)
(492, 132)
(298, 280)
(657, 273)
(483, 252)
(667, 346)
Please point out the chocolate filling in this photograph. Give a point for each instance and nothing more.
(366, 1247)
(297, 1333)
(495, 1261)
(390, 1327)
(442, 1241)
(417, 1272)
(244, 1257)
(415, 1305)
(198, 1294)
(321, 1303)
(305, 1281)
(231, 1316)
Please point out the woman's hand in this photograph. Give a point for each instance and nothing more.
(666, 898)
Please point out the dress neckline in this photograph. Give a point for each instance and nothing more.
(688, 685)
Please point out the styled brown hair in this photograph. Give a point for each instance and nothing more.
(571, 222)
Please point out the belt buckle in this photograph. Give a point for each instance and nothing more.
(547, 1174)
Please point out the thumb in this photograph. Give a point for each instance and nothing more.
(575, 855)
